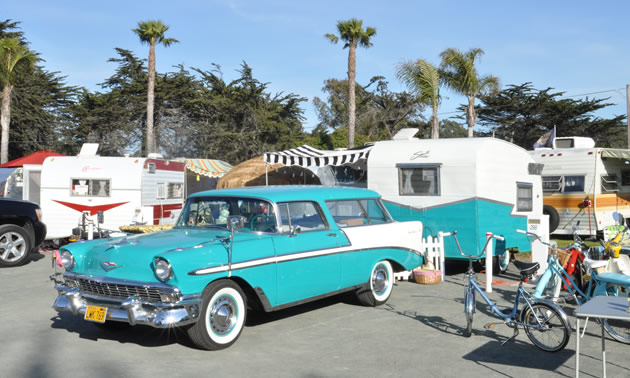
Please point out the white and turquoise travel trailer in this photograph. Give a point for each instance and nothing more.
(472, 185)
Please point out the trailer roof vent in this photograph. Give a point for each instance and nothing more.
(405, 134)
(88, 149)
(573, 142)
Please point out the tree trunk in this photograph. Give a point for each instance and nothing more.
(435, 124)
(5, 118)
(471, 115)
(150, 147)
(351, 96)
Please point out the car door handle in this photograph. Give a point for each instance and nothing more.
(332, 234)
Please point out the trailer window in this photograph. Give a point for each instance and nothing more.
(524, 196)
(420, 181)
(573, 184)
(625, 177)
(609, 183)
(175, 190)
(90, 187)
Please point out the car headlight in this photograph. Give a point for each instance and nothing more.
(67, 259)
(163, 270)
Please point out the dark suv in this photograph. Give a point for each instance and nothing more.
(21, 231)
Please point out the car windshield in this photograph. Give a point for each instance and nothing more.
(208, 212)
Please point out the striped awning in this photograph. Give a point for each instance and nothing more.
(208, 167)
(307, 156)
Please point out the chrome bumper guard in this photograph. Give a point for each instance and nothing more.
(132, 310)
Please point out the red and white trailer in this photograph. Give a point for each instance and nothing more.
(127, 190)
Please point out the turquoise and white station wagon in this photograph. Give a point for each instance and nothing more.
(234, 249)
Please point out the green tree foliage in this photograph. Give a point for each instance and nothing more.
(16, 61)
(240, 120)
(152, 33)
(380, 112)
(39, 108)
(460, 74)
(521, 114)
(423, 79)
(352, 33)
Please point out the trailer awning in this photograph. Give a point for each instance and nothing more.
(307, 156)
(616, 153)
(208, 167)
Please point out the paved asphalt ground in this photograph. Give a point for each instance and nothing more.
(417, 333)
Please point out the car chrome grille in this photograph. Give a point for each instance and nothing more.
(119, 291)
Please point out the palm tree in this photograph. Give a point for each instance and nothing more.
(353, 34)
(424, 81)
(460, 74)
(14, 58)
(152, 32)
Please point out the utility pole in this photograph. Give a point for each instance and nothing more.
(628, 111)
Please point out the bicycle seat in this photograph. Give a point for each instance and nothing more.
(526, 269)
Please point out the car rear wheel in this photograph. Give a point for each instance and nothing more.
(379, 287)
(222, 318)
(15, 245)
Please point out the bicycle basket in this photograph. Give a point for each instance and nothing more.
(563, 255)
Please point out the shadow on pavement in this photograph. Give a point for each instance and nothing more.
(140, 334)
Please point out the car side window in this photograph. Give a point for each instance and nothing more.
(305, 214)
(348, 213)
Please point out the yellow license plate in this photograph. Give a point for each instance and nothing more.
(95, 314)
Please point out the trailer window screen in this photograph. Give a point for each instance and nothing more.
(175, 190)
(421, 181)
(573, 184)
(524, 197)
(609, 183)
(90, 187)
(625, 178)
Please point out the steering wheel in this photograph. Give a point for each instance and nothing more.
(251, 222)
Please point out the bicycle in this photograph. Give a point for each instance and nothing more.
(612, 284)
(545, 323)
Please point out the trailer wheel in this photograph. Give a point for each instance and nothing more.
(554, 217)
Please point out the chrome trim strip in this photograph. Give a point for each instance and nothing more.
(291, 257)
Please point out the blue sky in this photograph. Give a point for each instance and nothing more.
(577, 47)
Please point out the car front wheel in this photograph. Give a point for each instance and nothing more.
(15, 245)
(378, 289)
(223, 314)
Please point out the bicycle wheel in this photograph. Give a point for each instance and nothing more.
(618, 329)
(546, 327)
(469, 310)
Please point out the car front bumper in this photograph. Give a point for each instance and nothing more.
(131, 310)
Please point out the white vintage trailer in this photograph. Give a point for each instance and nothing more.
(472, 185)
(125, 189)
(583, 185)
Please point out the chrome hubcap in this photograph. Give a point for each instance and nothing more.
(12, 246)
(223, 315)
(379, 280)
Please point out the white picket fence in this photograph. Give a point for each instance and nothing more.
(433, 248)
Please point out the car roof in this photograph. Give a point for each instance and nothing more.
(282, 193)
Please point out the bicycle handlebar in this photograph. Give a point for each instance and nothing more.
(454, 235)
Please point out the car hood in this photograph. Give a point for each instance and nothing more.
(131, 258)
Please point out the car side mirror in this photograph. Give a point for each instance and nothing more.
(236, 222)
(295, 230)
